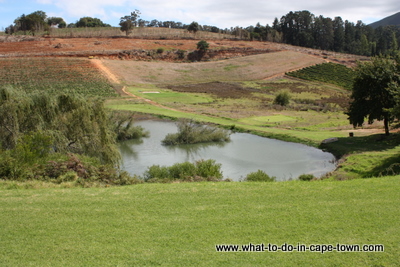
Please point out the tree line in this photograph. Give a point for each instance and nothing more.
(38, 21)
(302, 28)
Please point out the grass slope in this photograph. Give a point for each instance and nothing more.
(180, 224)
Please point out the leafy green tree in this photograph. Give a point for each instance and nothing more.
(73, 123)
(33, 22)
(202, 46)
(127, 23)
(374, 90)
(90, 22)
(282, 98)
(193, 27)
(338, 39)
(54, 21)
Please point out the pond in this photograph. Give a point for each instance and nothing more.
(245, 153)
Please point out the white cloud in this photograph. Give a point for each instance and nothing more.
(224, 13)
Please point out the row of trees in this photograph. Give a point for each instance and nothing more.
(39, 22)
(302, 28)
(128, 22)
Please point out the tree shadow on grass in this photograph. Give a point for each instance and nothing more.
(388, 165)
(359, 144)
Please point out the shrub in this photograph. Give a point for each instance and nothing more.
(181, 53)
(160, 50)
(208, 168)
(182, 170)
(259, 176)
(202, 46)
(122, 125)
(282, 98)
(83, 171)
(202, 170)
(156, 171)
(306, 177)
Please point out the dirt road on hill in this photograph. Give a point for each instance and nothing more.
(112, 78)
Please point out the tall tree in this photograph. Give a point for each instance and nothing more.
(338, 30)
(127, 23)
(374, 90)
(193, 27)
(33, 22)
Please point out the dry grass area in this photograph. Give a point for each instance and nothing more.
(256, 67)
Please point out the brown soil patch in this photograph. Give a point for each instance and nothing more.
(121, 48)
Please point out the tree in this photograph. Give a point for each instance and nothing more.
(74, 124)
(202, 46)
(127, 23)
(338, 39)
(193, 27)
(374, 89)
(90, 22)
(56, 21)
(282, 98)
(33, 22)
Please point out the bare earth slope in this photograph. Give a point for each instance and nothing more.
(17, 46)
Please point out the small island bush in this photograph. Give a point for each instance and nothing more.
(282, 98)
(259, 176)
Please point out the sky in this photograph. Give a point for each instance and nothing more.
(220, 13)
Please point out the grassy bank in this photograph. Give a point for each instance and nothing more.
(180, 224)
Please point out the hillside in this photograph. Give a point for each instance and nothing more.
(255, 67)
(145, 49)
(391, 20)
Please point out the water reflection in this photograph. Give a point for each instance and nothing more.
(127, 148)
(194, 151)
(245, 153)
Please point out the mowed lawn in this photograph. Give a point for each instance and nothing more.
(180, 224)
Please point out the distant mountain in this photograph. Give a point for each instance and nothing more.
(391, 20)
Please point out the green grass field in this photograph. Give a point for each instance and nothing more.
(180, 224)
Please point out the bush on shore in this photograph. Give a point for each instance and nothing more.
(191, 132)
(201, 170)
(259, 176)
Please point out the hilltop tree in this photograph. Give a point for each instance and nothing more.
(33, 22)
(127, 23)
(90, 22)
(193, 27)
(54, 21)
(374, 92)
